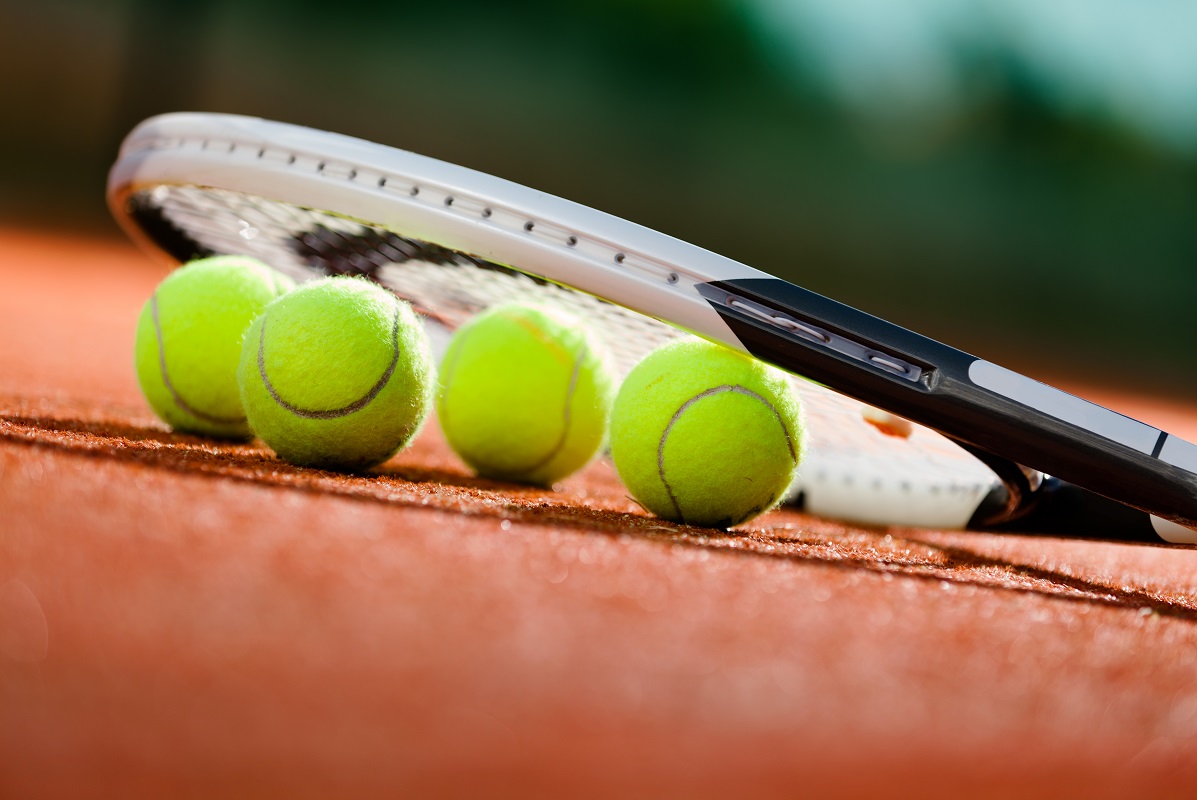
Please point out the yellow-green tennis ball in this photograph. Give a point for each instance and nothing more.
(525, 394)
(337, 374)
(188, 341)
(703, 435)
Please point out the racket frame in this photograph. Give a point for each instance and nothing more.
(1006, 418)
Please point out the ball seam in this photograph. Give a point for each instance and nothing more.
(170, 387)
(335, 413)
(566, 416)
(450, 370)
(737, 389)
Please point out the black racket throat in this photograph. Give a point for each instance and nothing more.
(930, 383)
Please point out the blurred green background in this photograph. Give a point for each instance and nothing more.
(1016, 177)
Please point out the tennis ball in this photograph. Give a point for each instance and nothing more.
(188, 341)
(703, 435)
(525, 394)
(337, 374)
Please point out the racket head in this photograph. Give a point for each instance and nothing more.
(453, 241)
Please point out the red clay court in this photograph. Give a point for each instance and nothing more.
(180, 618)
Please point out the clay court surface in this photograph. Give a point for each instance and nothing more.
(181, 618)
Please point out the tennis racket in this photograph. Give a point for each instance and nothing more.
(989, 448)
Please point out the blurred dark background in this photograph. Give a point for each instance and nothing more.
(1016, 177)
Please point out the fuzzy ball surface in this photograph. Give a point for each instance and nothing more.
(188, 342)
(703, 435)
(338, 374)
(525, 394)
